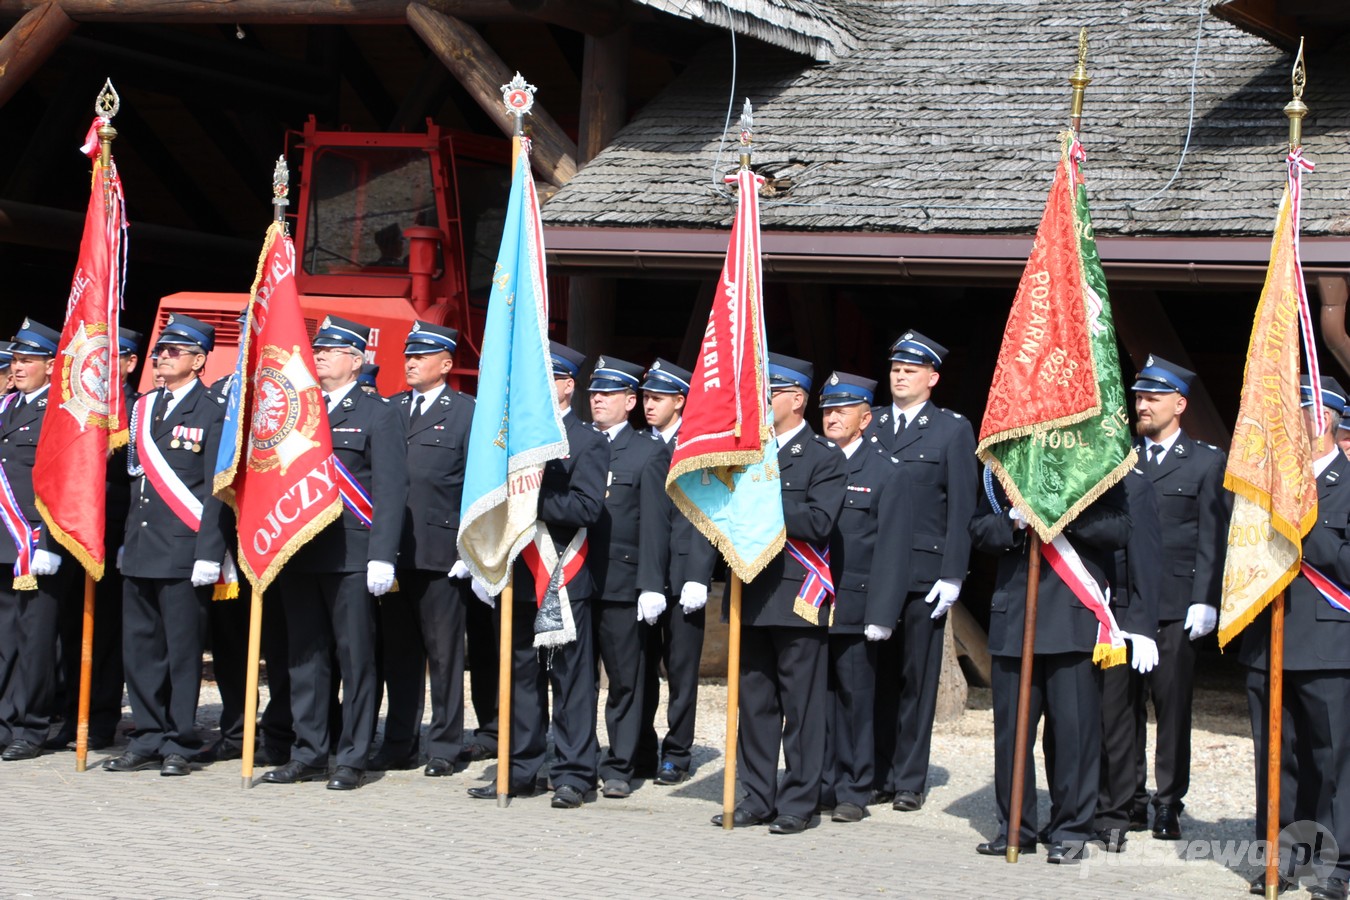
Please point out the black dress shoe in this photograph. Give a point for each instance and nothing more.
(271, 755)
(787, 825)
(1167, 823)
(295, 772)
(669, 773)
(616, 789)
(474, 751)
(175, 764)
(221, 751)
(1065, 852)
(740, 819)
(907, 801)
(392, 761)
(1258, 885)
(489, 791)
(438, 766)
(1331, 889)
(567, 797)
(999, 847)
(21, 749)
(880, 798)
(60, 741)
(130, 762)
(1112, 840)
(345, 778)
(847, 812)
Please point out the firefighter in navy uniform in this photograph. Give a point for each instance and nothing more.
(424, 621)
(1065, 685)
(330, 585)
(171, 557)
(784, 656)
(936, 448)
(619, 613)
(571, 498)
(870, 562)
(29, 608)
(675, 560)
(1315, 747)
(105, 702)
(1193, 509)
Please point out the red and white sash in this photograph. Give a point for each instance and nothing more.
(551, 575)
(1110, 649)
(170, 488)
(25, 536)
(818, 584)
(1332, 592)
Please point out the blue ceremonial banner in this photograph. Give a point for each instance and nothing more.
(517, 426)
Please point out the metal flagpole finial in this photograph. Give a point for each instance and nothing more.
(1079, 81)
(747, 133)
(281, 188)
(1296, 109)
(518, 95)
(106, 105)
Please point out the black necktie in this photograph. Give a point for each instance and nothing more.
(326, 402)
(900, 423)
(416, 410)
(1155, 454)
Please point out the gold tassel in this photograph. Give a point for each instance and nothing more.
(806, 611)
(25, 583)
(225, 591)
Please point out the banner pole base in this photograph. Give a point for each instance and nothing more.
(503, 801)
(245, 783)
(81, 765)
(1013, 853)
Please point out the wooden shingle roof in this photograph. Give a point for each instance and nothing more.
(803, 26)
(943, 117)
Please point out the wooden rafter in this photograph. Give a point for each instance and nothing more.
(27, 45)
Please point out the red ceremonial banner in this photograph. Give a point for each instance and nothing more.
(1040, 381)
(85, 413)
(282, 479)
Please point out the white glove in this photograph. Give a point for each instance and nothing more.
(1200, 620)
(45, 562)
(379, 577)
(480, 591)
(693, 597)
(1145, 653)
(459, 570)
(650, 606)
(205, 572)
(944, 591)
(1017, 518)
(878, 633)
(119, 558)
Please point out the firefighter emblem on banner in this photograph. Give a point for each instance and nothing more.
(85, 370)
(286, 413)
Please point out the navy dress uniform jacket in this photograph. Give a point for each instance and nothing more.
(368, 439)
(812, 476)
(437, 447)
(614, 540)
(673, 551)
(1136, 584)
(870, 587)
(158, 544)
(1316, 634)
(1193, 508)
(938, 450)
(571, 496)
(1063, 623)
(19, 430)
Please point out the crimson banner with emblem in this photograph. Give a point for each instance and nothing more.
(276, 465)
(85, 413)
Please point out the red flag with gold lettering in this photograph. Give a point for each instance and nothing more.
(276, 465)
(85, 414)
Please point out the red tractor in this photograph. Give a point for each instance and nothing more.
(380, 240)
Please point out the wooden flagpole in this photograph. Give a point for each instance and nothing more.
(504, 604)
(1274, 729)
(86, 677)
(1024, 697)
(251, 688)
(733, 704)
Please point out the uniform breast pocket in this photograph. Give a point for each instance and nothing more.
(1179, 500)
(860, 500)
(621, 481)
(1325, 612)
(923, 465)
(438, 439)
(441, 517)
(1336, 521)
(352, 441)
(794, 489)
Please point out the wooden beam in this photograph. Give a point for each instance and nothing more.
(26, 46)
(592, 17)
(262, 12)
(482, 73)
(604, 92)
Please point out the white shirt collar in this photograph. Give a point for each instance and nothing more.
(29, 398)
(1166, 444)
(909, 413)
(566, 411)
(336, 394)
(853, 447)
(430, 397)
(175, 396)
(789, 435)
(1320, 465)
(669, 434)
(613, 431)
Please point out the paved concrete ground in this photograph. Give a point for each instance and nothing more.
(95, 834)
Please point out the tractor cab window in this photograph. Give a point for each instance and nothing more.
(362, 199)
